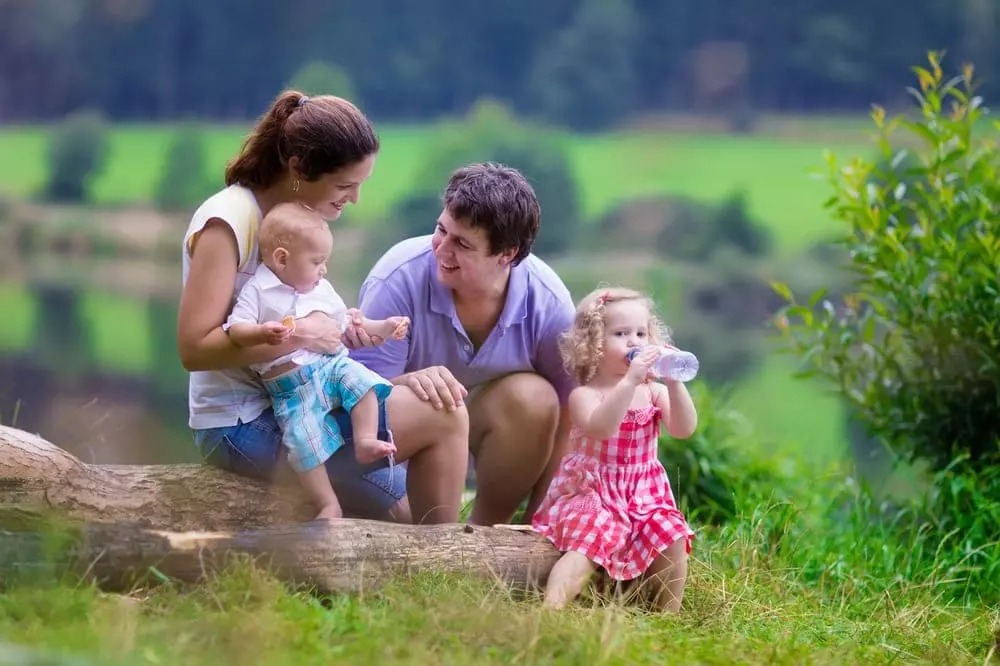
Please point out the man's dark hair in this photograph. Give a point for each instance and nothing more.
(500, 200)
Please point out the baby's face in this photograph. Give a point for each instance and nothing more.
(307, 258)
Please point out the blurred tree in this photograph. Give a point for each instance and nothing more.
(586, 79)
(185, 180)
(321, 78)
(77, 153)
(491, 133)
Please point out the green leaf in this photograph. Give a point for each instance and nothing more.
(782, 290)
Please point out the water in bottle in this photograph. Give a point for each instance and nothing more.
(679, 366)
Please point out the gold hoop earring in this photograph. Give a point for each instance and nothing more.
(295, 185)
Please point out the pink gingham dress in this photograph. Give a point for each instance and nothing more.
(611, 499)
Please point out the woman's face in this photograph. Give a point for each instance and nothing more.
(332, 191)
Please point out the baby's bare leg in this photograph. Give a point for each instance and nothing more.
(364, 421)
(317, 485)
(668, 574)
(567, 578)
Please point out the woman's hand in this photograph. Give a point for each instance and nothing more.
(436, 385)
(318, 333)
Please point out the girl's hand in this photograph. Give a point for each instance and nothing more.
(639, 370)
(318, 333)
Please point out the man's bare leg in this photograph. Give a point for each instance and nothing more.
(435, 442)
(512, 424)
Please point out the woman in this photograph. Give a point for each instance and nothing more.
(317, 151)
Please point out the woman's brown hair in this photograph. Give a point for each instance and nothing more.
(325, 132)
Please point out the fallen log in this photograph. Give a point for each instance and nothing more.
(345, 555)
(184, 521)
(34, 473)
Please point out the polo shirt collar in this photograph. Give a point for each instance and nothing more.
(515, 308)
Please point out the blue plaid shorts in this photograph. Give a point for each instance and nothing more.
(303, 397)
(254, 449)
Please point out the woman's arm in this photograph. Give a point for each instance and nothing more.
(205, 303)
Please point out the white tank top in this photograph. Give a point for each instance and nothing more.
(220, 398)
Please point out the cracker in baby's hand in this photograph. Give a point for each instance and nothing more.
(289, 322)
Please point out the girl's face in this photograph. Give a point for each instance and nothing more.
(626, 325)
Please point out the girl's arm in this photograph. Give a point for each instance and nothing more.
(205, 302)
(679, 413)
(599, 418)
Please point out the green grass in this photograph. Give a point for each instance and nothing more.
(774, 171)
(774, 588)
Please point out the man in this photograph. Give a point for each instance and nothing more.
(486, 318)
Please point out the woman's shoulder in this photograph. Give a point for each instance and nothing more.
(234, 204)
(237, 207)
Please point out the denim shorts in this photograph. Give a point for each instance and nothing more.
(254, 449)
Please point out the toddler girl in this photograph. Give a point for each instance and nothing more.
(610, 503)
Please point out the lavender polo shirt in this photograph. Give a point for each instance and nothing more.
(538, 310)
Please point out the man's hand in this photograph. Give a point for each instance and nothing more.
(435, 385)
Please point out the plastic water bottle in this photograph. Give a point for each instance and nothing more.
(679, 366)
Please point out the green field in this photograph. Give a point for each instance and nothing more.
(773, 167)
(773, 170)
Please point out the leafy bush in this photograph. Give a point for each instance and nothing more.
(77, 152)
(715, 469)
(185, 181)
(916, 347)
(491, 133)
(914, 350)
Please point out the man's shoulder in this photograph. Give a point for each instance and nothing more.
(405, 259)
(544, 283)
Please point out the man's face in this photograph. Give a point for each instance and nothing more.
(464, 259)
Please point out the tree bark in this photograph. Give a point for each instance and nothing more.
(342, 556)
(185, 520)
(34, 474)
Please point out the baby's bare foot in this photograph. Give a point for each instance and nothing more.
(369, 450)
(330, 512)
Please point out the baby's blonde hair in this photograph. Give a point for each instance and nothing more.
(288, 224)
(582, 347)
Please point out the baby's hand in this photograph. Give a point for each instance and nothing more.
(400, 325)
(638, 371)
(275, 332)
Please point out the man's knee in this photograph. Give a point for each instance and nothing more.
(525, 396)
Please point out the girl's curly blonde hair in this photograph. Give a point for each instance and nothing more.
(582, 347)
